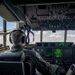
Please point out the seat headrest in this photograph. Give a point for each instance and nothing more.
(12, 56)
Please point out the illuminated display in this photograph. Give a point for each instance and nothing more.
(47, 55)
(48, 52)
(65, 44)
(58, 53)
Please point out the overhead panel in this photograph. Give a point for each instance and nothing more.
(52, 17)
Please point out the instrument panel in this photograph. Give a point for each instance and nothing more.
(57, 52)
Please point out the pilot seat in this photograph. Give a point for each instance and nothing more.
(14, 64)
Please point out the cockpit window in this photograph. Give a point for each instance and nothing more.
(10, 26)
(71, 36)
(36, 37)
(57, 36)
(1, 24)
(1, 31)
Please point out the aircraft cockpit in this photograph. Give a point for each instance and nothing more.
(36, 18)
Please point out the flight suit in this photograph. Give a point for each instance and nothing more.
(41, 65)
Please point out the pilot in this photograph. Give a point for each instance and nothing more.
(17, 38)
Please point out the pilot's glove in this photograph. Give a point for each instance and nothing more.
(59, 70)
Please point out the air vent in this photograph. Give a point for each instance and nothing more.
(41, 6)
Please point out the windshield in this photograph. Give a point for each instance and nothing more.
(58, 36)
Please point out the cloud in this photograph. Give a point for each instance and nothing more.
(70, 35)
(71, 32)
(1, 27)
(44, 32)
(36, 32)
(52, 35)
(1, 37)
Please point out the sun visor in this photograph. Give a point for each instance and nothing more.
(11, 13)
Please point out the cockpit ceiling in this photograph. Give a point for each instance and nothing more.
(45, 14)
(31, 2)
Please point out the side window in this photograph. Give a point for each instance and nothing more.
(10, 26)
(1, 31)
